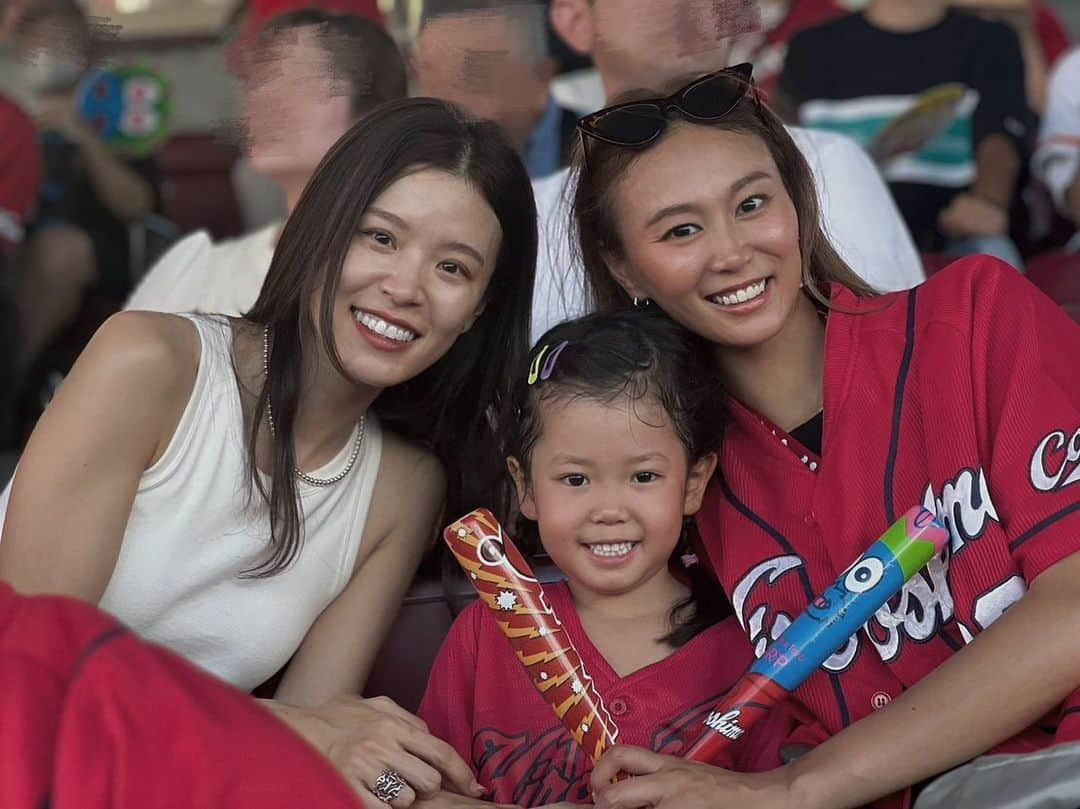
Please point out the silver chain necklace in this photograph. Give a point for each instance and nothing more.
(304, 476)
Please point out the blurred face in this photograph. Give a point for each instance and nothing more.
(473, 60)
(53, 54)
(295, 108)
(710, 233)
(643, 43)
(609, 486)
(415, 277)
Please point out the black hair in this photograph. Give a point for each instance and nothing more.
(447, 407)
(637, 353)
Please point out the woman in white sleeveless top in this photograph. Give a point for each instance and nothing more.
(254, 490)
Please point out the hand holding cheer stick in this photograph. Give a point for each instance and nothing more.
(506, 583)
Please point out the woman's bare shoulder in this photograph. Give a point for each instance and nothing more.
(158, 351)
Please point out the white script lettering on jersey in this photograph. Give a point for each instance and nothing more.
(1055, 463)
(924, 603)
(992, 604)
(964, 505)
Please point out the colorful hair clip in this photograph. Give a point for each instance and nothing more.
(539, 372)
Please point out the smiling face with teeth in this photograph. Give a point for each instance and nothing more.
(608, 485)
(414, 278)
(709, 232)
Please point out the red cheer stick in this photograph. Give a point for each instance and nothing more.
(506, 583)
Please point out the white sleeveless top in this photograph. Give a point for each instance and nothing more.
(192, 533)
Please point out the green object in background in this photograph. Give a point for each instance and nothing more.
(128, 106)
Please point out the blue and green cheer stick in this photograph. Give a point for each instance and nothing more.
(823, 628)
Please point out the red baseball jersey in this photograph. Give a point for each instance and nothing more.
(963, 395)
(94, 718)
(481, 701)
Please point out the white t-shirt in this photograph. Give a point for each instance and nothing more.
(857, 213)
(1057, 158)
(196, 275)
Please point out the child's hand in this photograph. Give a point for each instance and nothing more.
(663, 782)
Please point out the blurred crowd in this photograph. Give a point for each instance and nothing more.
(969, 113)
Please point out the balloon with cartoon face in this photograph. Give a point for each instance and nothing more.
(127, 106)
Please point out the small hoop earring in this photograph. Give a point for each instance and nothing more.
(640, 303)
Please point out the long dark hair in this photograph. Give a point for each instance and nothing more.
(447, 407)
(594, 205)
(636, 353)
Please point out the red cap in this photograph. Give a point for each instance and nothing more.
(263, 10)
(20, 172)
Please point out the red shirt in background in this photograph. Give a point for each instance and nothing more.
(20, 172)
(263, 10)
(1052, 33)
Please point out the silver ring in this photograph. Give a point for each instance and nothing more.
(388, 786)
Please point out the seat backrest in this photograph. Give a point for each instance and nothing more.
(196, 172)
(1058, 275)
(405, 659)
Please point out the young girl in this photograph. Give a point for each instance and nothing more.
(962, 395)
(258, 491)
(611, 447)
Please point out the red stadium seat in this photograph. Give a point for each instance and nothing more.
(1058, 275)
(405, 659)
(196, 172)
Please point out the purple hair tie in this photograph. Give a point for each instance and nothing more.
(541, 368)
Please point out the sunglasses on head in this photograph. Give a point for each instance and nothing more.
(639, 123)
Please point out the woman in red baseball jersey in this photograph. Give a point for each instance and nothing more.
(848, 408)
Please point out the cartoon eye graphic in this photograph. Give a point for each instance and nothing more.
(491, 551)
(864, 575)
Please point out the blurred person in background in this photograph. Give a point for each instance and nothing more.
(865, 71)
(77, 245)
(310, 75)
(262, 199)
(1044, 39)
(780, 20)
(492, 59)
(1057, 159)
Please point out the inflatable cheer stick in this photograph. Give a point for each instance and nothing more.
(506, 583)
(823, 628)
